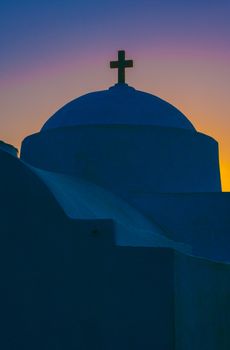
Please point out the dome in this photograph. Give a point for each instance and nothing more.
(120, 104)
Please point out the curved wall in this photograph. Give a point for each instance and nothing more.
(129, 159)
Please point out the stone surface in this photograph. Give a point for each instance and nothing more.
(8, 148)
(202, 304)
(66, 284)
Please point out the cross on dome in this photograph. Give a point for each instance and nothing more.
(121, 64)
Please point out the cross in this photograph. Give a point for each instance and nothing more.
(121, 64)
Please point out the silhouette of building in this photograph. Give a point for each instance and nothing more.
(114, 230)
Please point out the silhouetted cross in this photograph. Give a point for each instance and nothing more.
(121, 64)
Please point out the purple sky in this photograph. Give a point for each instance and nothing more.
(54, 51)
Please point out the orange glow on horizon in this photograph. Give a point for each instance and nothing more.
(199, 88)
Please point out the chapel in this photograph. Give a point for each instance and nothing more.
(115, 229)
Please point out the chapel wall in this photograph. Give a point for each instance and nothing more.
(127, 159)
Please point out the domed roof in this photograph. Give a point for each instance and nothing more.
(120, 104)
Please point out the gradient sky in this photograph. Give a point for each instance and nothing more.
(53, 51)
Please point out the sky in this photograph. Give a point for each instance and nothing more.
(54, 51)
